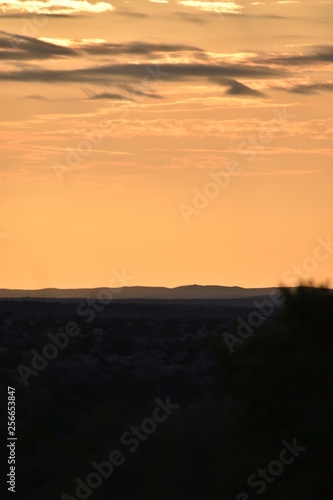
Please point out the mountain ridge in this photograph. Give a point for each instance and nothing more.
(141, 292)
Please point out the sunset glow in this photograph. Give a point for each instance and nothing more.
(183, 141)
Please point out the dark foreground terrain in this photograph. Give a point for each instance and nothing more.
(170, 400)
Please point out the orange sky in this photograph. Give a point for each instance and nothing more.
(182, 141)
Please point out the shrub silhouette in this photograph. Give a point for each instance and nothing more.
(277, 386)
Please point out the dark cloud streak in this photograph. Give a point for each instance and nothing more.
(136, 48)
(18, 47)
(134, 72)
(35, 15)
(125, 77)
(110, 96)
(239, 89)
(191, 18)
(128, 13)
(309, 89)
(321, 54)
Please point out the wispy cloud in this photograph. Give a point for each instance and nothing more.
(243, 74)
(36, 97)
(55, 7)
(13, 46)
(135, 72)
(219, 7)
(17, 47)
(309, 88)
(110, 96)
(318, 55)
(191, 18)
(237, 88)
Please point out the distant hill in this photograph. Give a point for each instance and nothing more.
(188, 292)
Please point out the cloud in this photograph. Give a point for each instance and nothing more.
(141, 93)
(137, 48)
(36, 97)
(215, 6)
(319, 55)
(143, 72)
(54, 7)
(32, 15)
(191, 18)
(110, 96)
(239, 89)
(129, 13)
(18, 47)
(133, 68)
(311, 88)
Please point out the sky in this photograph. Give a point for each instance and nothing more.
(165, 143)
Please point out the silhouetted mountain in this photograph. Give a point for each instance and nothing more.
(187, 292)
